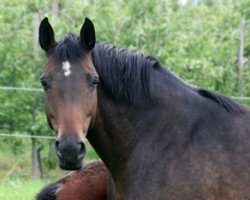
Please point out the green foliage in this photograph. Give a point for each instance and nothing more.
(199, 43)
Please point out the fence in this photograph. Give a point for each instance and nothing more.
(7, 88)
(36, 161)
(27, 136)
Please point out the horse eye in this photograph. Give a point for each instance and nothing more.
(44, 84)
(95, 81)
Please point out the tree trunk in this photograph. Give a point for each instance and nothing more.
(34, 159)
(56, 7)
(40, 163)
(34, 113)
(241, 57)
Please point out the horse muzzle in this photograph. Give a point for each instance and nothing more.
(70, 152)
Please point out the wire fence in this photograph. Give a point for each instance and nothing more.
(41, 90)
(240, 98)
(27, 136)
(24, 89)
(21, 89)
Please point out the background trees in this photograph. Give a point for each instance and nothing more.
(198, 41)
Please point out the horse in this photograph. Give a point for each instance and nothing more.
(159, 137)
(88, 183)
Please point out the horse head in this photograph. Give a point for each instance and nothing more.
(69, 80)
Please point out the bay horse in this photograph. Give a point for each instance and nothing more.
(88, 183)
(159, 137)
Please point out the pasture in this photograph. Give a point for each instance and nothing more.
(20, 188)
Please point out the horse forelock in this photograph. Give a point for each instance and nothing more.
(69, 49)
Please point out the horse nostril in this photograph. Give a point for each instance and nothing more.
(65, 162)
(57, 144)
(82, 150)
(57, 149)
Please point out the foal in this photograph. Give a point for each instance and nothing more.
(89, 183)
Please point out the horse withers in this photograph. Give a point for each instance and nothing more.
(159, 137)
(88, 183)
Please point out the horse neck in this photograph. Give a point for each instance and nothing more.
(121, 127)
(113, 135)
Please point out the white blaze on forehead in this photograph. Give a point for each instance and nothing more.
(66, 68)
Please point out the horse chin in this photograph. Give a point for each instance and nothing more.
(70, 166)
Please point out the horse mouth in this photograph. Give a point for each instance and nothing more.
(70, 152)
(70, 166)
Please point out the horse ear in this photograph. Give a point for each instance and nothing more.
(87, 34)
(46, 35)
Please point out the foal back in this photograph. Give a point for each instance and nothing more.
(89, 183)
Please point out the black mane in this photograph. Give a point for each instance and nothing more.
(125, 74)
(223, 101)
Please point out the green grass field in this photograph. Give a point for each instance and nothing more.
(20, 189)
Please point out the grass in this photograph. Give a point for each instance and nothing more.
(19, 188)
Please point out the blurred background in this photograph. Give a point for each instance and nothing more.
(204, 42)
